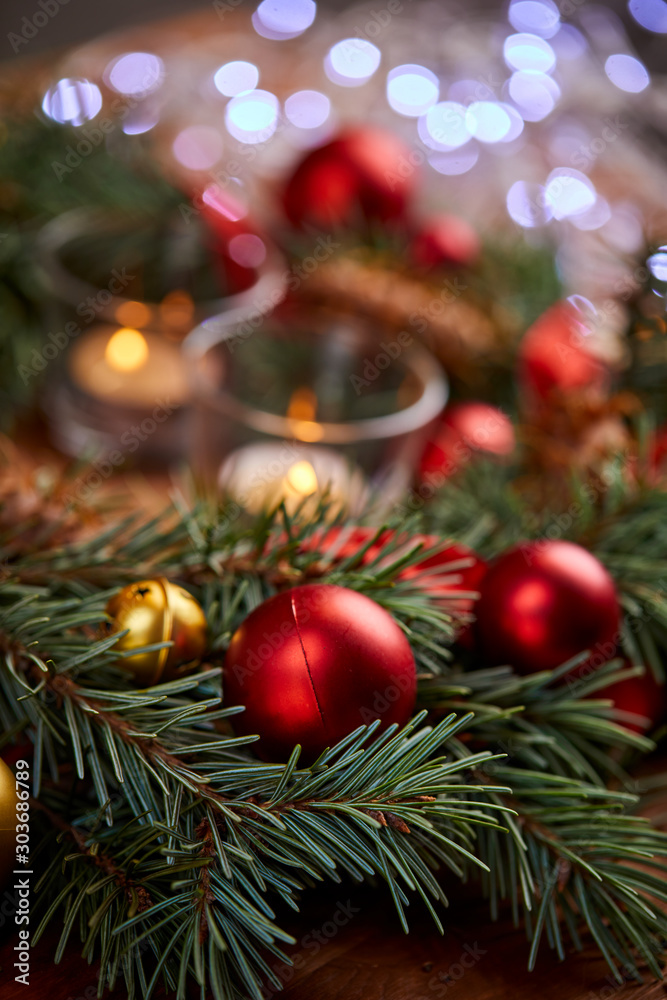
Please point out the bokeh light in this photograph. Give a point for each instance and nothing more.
(488, 121)
(524, 51)
(283, 19)
(307, 108)
(236, 77)
(627, 73)
(72, 101)
(352, 62)
(452, 164)
(540, 17)
(412, 89)
(651, 14)
(247, 250)
(135, 73)
(527, 204)
(141, 119)
(444, 126)
(569, 43)
(252, 117)
(569, 192)
(535, 94)
(198, 147)
(594, 217)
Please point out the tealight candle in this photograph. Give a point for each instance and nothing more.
(260, 475)
(128, 367)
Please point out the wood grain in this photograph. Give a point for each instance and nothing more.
(368, 957)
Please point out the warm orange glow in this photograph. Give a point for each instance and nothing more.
(177, 310)
(133, 314)
(301, 480)
(126, 350)
(301, 413)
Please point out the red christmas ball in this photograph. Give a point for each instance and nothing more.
(554, 357)
(641, 696)
(454, 570)
(360, 175)
(466, 430)
(542, 603)
(312, 664)
(445, 241)
(236, 245)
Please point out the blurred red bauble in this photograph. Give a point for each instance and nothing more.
(554, 358)
(641, 696)
(363, 174)
(236, 246)
(467, 429)
(445, 241)
(454, 570)
(312, 664)
(542, 603)
(446, 574)
(21, 749)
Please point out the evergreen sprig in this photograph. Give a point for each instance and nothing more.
(175, 842)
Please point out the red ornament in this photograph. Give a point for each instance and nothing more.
(235, 243)
(467, 429)
(542, 603)
(454, 570)
(363, 174)
(312, 664)
(554, 357)
(445, 241)
(641, 696)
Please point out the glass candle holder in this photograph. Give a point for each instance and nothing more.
(121, 296)
(312, 401)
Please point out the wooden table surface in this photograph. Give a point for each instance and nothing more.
(370, 958)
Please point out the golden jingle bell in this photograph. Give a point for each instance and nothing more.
(159, 611)
(8, 822)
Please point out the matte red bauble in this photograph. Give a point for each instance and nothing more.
(445, 241)
(467, 429)
(641, 696)
(553, 356)
(363, 174)
(453, 571)
(312, 664)
(544, 602)
(236, 247)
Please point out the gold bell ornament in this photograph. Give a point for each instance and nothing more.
(8, 823)
(159, 611)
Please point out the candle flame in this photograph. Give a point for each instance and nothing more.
(301, 480)
(301, 412)
(126, 350)
(177, 310)
(133, 314)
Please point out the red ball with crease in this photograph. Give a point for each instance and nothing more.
(544, 602)
(312, 664)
